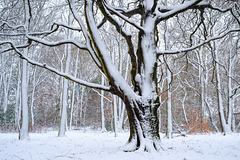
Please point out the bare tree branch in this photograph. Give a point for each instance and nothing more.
(126, 19)
(51, 69)
(51, 44)
(86, 34)
(159, 52)
(172, 11)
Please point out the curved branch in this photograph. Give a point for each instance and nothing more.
(236, 17)
(54, 28)
(126, 35)
(172, 11)
(129, 13)
(10, 48)
(114, 77)
(122, 16)
(12, 27)
(51, 69)
(85, 33)
(198, 45)
(68, 27)
(52, 44)
(167, 12)
(102, 23)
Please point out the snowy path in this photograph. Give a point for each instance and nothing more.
(78, 145)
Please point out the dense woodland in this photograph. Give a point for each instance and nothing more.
(196, 73)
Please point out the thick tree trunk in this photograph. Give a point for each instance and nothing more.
(142, 102)
(143, 112)
(144, 127)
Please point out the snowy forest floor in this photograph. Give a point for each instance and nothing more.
(92, 145)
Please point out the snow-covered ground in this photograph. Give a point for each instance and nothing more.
(90, 145)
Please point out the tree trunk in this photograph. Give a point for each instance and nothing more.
(202, 84)
(115, 117)
(183, 105)
(73, 93)
(62, 127)
(72, 106)
(230, 99)
(169, 106)
(17, 106)
(102, 107)
(33, 94)
(142, 102)
(224, 126)
(24, 112)
(169, 79)
(6, 82)
(81, 106)
(144, 127)
(63, 121)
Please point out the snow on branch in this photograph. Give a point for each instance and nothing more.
(10, 48)
(123, 32)
(125, 18)
(110, 70)
(78, 19)
(165, 12)
(54, 28)
(216, 8)
(114, 21)
(10, 26)
(159, 52)
(127, 12)
(51, 44)
(172, 11)
(203, 4)
(102, 95)
(102, 23)
(51, 69)
(85, 33)
(68, 27)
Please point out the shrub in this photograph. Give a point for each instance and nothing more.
(197, 124)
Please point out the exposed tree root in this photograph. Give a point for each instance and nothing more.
(146, 145)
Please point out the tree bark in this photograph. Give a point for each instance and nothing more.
(144, 127)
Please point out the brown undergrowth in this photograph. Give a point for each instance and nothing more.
(197, 124)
